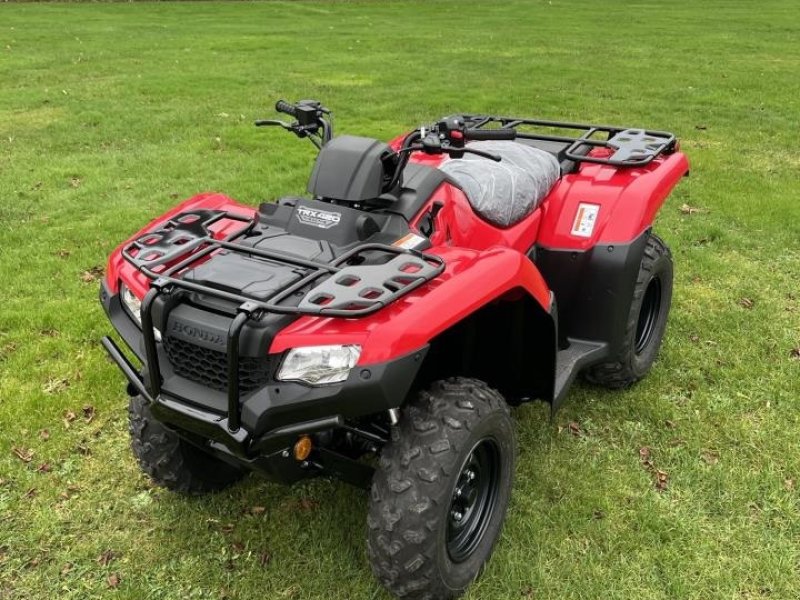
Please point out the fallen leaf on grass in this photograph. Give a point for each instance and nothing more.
(527, 592)
(55, 385)
(788, 484)
(8, 349)
(69, 492)
(69, 417)
(62, 253)
(227, 528)
(670, 424)
(691, 210)
(660, 477)
(44, 468)
(75, 182)
(794, 353)
(106, 558)
(258, 510)
(24, 454)
(747, 303)
(92, 274)
(30, 494)
(575, 429)
(701, 127)
(83, 448)
(265, 558)
(710, 457)
(66, 568)
(113, 580)
(237, 547)
(307, 504)
(88, 413)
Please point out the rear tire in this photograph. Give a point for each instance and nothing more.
(171, 462)
(440, 493)
(647, 321)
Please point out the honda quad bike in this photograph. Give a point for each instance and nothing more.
(378, 330)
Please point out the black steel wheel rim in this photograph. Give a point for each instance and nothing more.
(648, 315)
(474, 500)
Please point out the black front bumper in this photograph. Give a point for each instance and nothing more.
(268, 420)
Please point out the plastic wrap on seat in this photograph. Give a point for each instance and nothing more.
(504, 192)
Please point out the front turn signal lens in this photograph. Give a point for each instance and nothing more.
(302, 448)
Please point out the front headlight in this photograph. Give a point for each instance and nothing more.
(319, 364)
(131, 303)
(133, 306)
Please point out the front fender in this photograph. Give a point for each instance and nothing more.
(471, 279)
(117, 268)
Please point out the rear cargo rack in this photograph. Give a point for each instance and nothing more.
(630, 147)
(348, 290)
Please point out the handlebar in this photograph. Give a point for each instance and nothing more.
(282, 106)
(489, 134)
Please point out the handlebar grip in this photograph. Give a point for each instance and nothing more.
(490, 134)
(282, 106)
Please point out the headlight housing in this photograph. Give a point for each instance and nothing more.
(317, 365)
(132, 304)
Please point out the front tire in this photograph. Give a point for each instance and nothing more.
(172, 462)
(647, 321)
(440, 493)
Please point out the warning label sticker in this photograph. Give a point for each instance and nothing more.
(585, 219)
(410, 241)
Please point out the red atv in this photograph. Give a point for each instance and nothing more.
(378, 331)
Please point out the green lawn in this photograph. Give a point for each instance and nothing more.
(109, 114)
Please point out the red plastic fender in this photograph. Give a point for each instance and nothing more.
(117, 268)
(626, 202)
(471, 279)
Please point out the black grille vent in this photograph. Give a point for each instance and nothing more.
(210, 367)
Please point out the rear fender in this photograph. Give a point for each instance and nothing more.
(621, 203)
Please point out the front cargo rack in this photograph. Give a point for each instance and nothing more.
(343, 289)
(350, 290)
(630, 147)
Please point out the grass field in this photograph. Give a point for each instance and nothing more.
(109, 114)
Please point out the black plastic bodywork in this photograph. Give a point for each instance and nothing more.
(594, 289)
(270, 418)
(350, 169)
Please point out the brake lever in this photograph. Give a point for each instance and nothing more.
(481, 153)
(269, 122)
